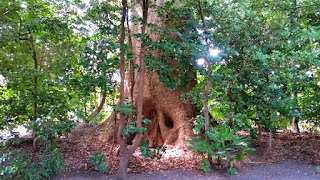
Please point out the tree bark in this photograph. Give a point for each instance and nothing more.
(35, 83)
(295, 120)
(206, 88)
(169, 115)
(99, 108)
(126, 152)
(124, 160)
(35, 89)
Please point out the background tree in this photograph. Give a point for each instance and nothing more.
(38, 58)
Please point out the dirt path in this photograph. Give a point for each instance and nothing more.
(283, 170)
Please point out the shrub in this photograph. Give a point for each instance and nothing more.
(146, 152)
(223, 146)
(97, 159)
(17, 165)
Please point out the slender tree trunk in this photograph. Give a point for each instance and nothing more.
(295, 120)
(85, 104)
(131, 62)
(126, 152)
(35, 89)
(99, 108)
(123, 147)
(292, 26)
(295, 123)
(206, 88)
(270, 140)
(95, 96)
(35, 85)
(141, 73)
(205, 103)
(124, 162)
(256, 118)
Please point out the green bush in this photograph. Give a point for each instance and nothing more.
(223, 146)
(97, 159)
(12, 164)
(17, 165)
(146, 152)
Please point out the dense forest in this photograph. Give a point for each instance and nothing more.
(142, 77)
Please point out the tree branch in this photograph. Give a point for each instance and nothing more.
(99, 108)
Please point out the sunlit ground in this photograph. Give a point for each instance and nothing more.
(171, 152)
(20, 131)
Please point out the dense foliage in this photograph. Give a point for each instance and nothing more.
(57, 58)
(17, 165)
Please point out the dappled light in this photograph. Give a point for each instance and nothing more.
(201, 62)
(214, 52)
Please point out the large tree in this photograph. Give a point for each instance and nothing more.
(142, 88)
(162, 105)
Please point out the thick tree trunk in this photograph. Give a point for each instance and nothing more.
(170, 116)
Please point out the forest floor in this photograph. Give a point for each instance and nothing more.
(292, 156)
